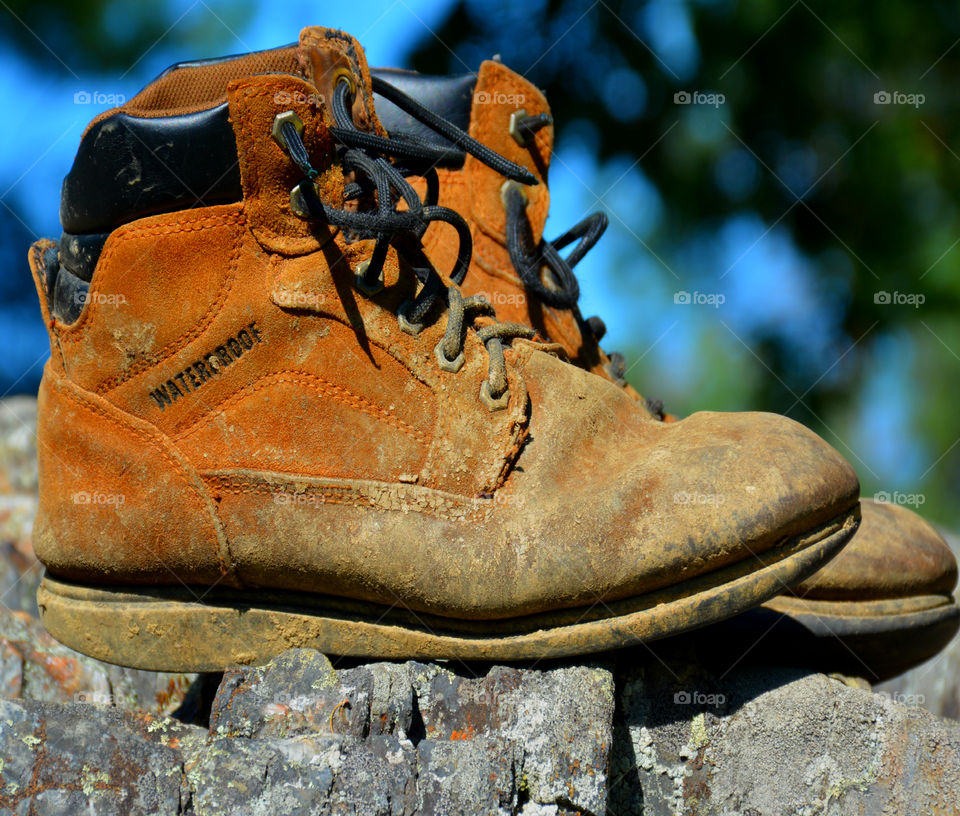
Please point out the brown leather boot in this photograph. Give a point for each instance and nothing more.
(271, 423)
(885, 603)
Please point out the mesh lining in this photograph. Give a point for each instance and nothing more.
(189, 88)
(193, 87)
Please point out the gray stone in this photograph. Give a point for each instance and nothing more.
(648, 735)
(507, 736)
(322, 774)
(772, 741)
(478, 775)
(34, 666)
(75, 758)
(297, 693)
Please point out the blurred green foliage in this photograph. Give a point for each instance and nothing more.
(107, 35)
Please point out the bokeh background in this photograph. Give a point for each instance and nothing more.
(794, 169)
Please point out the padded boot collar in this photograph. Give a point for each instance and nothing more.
(172, 147)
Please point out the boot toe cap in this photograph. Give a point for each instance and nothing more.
(894, 554)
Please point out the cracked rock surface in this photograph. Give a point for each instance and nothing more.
(639, 735)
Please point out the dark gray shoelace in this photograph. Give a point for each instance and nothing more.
(367, 156)
(564, 290)
(529, 260)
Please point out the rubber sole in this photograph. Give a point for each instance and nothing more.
(176, 629)
(875, 640)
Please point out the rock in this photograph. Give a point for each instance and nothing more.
(18, 446)
(499, 739)
(34, 666)
(73, 758)
(936, 684)
(652, 733)
(321, 774)
(771, 741)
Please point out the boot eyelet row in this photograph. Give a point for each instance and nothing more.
(445, 363)
(369, 288)
(277, 131)
(493, 403)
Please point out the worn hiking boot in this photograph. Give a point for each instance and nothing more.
(523, 275)
(885, 603)
(881, 607)
(268, 421)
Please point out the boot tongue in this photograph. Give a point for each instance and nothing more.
(326, 57)
(501, 97)
(500, 91)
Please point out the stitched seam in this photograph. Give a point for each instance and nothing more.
(171, 460)
(344, 496)
(325, 388)
(252, 168)
(175, 346)
(387, 349)
(77, 332)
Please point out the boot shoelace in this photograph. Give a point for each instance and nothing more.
(563, 292)
(367, 156)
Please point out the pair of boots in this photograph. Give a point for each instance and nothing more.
(279, 412)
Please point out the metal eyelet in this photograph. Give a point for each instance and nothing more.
(344, 75)
(510, 185)
(361, 282)
(279, 121)
(297, 202)
(445, 363)
(515, 118)
(405, 324)
(493, 403)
